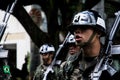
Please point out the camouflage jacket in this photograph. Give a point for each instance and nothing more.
(68, 73)
(83, 68)
(70, 70)
(39, 73)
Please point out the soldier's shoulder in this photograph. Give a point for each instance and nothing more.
(39, 67)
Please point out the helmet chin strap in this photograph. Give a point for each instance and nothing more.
(88, 42)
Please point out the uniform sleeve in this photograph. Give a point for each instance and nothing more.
(38, 73)
(61, 71)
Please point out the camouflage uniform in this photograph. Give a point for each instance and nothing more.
(67, 73)
(66, 69)
(39, 74)
(82, 69)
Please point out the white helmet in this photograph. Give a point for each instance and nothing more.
(45, 48)
(71, 39)
(88, 18)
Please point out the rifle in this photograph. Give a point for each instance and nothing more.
(4, 53)
(6, 17)
(54, 60)
(103, 63)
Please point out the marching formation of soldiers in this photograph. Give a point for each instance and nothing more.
(85, 51)
(86, 57)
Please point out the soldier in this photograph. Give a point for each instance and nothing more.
(88, 27)
(47, 51)
(73, 53)
(73, 49)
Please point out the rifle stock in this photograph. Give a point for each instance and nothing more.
(103, 63)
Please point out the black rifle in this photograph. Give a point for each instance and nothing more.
(50, 67)
(8, 12)
(104, 62)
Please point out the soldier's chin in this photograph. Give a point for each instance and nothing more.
(45, 63)
(80, 44)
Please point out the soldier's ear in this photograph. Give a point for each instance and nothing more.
(98, 35)
(98, 32)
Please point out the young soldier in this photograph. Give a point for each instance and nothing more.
(88, 27)
(73, 49)
(47, 51)
(73, 53)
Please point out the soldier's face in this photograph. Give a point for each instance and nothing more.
(73, 49)
(47, 57)
(82, 35)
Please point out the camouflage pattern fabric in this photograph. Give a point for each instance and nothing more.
(39, 74)
(83, 70)
(70, 71)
